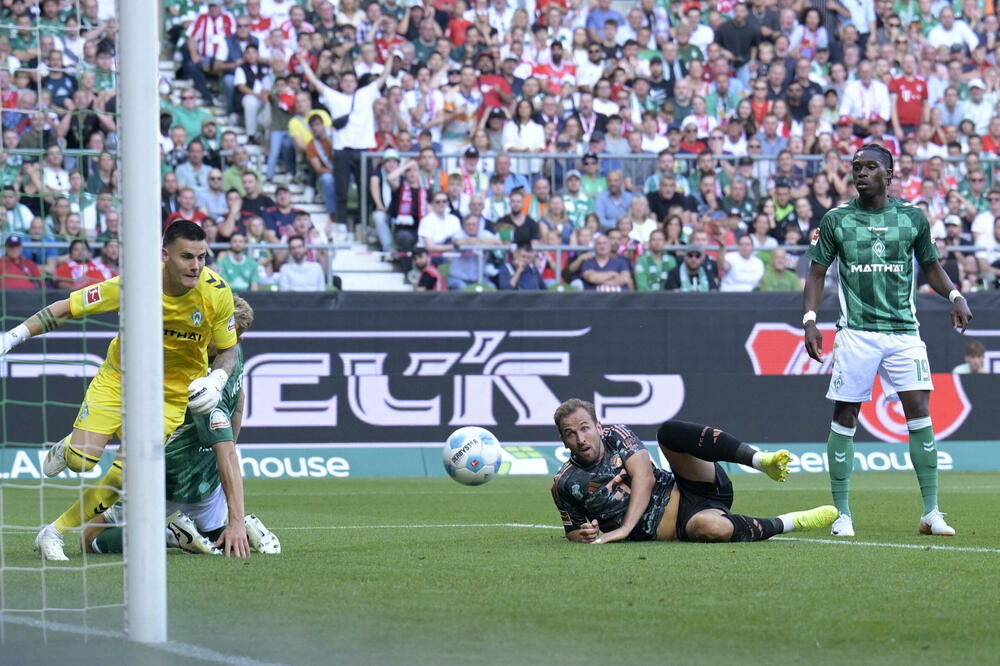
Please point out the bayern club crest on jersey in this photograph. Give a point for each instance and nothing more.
(197, 318)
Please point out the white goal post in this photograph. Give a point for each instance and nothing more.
(142, 321)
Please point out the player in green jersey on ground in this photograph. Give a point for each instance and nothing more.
(203, 479)
(876, 238)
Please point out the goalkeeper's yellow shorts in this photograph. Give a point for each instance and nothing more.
(101, 411)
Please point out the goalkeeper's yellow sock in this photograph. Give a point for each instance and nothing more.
(95, 500)
(76, 460)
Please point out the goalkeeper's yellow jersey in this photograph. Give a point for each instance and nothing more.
(202, 315)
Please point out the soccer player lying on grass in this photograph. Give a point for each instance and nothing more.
(609, 489)
(203, 479)
(197, 310)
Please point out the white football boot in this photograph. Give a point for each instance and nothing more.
(49, 544)
(55, 459)
(189, 539)
(843, 526)
(933, 523)
(261, 539)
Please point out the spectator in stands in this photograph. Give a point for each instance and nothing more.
(693, 274)
(205, 36)
(168, 196)
(72, 273)
(356, 106)
(511, 180)
(439, 226)
(605, 271)
(17, 217)
(103, 175)
(520, 273)
(194, 172)
(236, 267)
(189, 115)
(230, 58)
(45, 257)
(613, 203)
(233, 176)
(282, 213)
(742, 270)
(410, 204)
(523, 135)
(255, 201)
(105, 265)
(654, 265)
(299, 273)
(319, 152)
(186, 208)
(778, 276)
(55, 178)
(975, 360)
(177, 153)
(517, 226)
(465, 268)
(212, 199)
(428, 277)
(16, 271)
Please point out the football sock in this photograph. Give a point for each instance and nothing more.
(923, 455)
(109, 541)
(95, 500)
(77, 461)
(840, 454)
(746, 528)
(214, 535)
(704, 442)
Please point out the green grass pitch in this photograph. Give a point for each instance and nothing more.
(425, 571)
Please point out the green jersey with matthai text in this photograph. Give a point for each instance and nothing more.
(875, 249)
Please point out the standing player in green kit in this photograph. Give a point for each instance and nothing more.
(876, 238)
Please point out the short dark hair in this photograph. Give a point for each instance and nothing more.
(294, 238)
(885, 157)
(570, 406)
(185, 229)
(78, 241)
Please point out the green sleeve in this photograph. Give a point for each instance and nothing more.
(823, 246)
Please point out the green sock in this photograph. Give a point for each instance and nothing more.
(110, 540)
(840, 452)
(923, 456)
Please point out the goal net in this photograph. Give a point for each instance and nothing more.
(70, 173)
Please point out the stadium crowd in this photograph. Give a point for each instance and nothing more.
(680, 145)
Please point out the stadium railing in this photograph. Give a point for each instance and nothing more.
(480, 251)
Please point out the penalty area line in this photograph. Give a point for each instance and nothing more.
(179, 649)
(902, 546)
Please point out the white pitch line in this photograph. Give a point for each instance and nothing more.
(905, 546)
(179, 649)
(420, 526)
(870, 544)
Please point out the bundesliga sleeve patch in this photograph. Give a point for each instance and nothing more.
(93, 295)
(814, 238)
(232, 323)
(218, 419)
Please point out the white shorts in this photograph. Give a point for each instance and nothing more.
(208, 515)
(899, 359)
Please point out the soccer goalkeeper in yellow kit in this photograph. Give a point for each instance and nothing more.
(197, 310)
